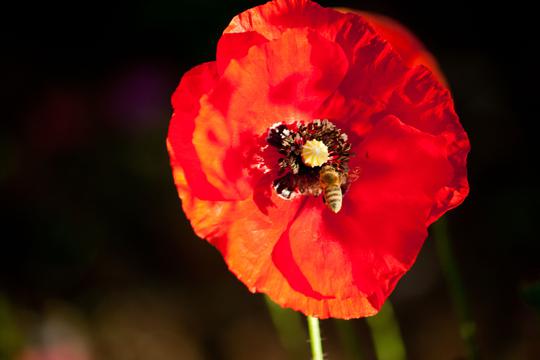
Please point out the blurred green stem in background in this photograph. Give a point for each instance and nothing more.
(290, 328)
(10, 336)
(315, 338)
(386, 334)
(467, 326)
(349, 339)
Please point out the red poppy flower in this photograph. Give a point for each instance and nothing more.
(314, 155)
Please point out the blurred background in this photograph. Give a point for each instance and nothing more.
(97, 261)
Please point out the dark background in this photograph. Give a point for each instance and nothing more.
(96, 256)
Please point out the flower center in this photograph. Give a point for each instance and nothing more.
(314, 160)
(314, 153)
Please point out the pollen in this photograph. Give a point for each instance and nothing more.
(314, 153)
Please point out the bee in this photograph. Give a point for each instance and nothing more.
(331, 180)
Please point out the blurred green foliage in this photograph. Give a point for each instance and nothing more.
(11, 339)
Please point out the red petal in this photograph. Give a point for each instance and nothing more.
(194, 84)
(341, 265)
(373, 241)
(379, 68)
(281, 80)
(412, 95)
(257, 249)
(423, 103)
(411, 50)
(235, 46)
(273, 18)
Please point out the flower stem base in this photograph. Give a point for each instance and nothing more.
(315, 338)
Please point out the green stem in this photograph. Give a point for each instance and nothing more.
(450, 270)
(386, 334)
(315, 338)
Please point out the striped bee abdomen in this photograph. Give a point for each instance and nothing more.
(333, 197)
(330, 180)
